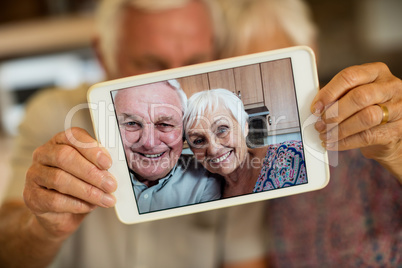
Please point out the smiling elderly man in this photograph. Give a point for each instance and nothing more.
(150, 120)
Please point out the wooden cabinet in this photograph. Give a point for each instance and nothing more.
(222, 79)
(249, 85)
(243, 81)
(270, 84)
(193, 84)
(280, 96)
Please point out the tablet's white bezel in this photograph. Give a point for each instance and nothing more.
(107, 133)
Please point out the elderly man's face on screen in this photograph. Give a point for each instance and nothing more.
(150, 121)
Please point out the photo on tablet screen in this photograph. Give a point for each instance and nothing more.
(238, 134)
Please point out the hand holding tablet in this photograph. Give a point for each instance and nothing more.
(140, 121)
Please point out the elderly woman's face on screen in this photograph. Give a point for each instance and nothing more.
(218, 141)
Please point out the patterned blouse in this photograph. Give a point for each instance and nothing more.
(283, 166)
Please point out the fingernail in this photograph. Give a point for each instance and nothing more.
(328, 145)
(328, 136)
(109, 184)
(104, 161)
(108, 200)
(320, 126)
(318, 108)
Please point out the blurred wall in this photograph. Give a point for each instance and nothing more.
(358, 31)
(45, 43)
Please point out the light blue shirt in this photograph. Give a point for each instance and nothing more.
(187, 183)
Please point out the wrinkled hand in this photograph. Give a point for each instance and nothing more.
(350, 117)
(67, 180)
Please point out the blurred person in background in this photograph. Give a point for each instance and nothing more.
(64, 221)
(357, 219)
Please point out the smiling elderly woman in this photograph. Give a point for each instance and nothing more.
(216, 129)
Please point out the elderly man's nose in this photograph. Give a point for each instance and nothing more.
(150, 137)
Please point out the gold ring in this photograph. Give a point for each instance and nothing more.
(385, 113)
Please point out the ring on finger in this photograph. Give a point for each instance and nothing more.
(385, 113)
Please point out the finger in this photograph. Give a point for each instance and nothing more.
(41, 200)
(365, 119)
(68, 159)
(355, 100)
(64, 183)
(344, 81)
(361, 121)
(85, 145)
(379, 135)
(55, 202)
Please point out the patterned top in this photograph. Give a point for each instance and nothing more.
(283, 166)
(356, 221)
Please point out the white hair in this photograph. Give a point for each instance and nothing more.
(173, 83)
(247, 19)
(209, 101)
(109, 15)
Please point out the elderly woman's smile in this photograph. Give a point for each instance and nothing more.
(221, 158)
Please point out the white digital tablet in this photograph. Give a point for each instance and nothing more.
(249, 135)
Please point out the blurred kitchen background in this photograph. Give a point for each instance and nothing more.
(46, 43)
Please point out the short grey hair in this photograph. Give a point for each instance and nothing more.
(209, 101)
(109, 14)
(173, 83)
(244, 19)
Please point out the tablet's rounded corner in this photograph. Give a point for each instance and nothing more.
(124, 217)
(327, 172)
(90, 91)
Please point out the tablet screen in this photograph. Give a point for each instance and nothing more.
(167, 171)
